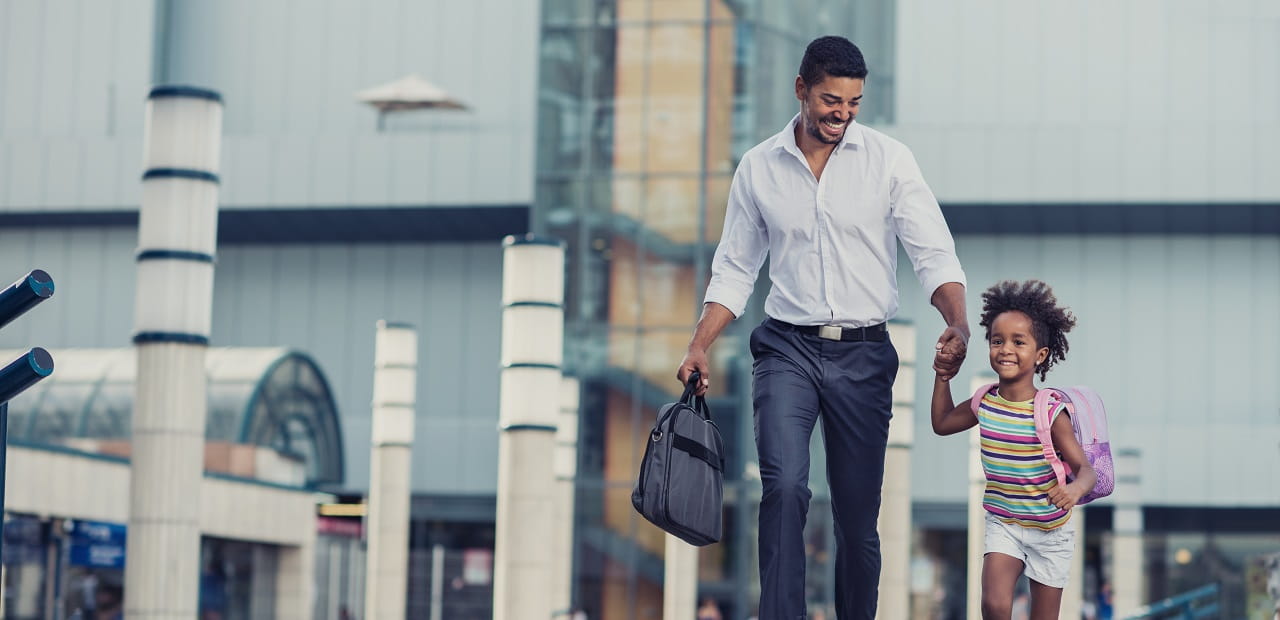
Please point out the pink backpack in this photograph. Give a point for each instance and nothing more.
(1088, 419)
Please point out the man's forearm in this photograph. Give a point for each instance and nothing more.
(949, 300)
(714, 319)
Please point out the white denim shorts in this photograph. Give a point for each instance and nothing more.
(1045, 554)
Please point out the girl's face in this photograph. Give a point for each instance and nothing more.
(1014, 352)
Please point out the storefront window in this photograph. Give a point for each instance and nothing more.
(25, 557)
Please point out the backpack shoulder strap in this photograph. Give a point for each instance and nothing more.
(1043, 407)
(977, 397)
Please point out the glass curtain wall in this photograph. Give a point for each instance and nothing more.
(645, 108)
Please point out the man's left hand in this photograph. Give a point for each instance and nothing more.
(950, 351)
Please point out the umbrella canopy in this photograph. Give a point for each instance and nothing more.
(411, 92)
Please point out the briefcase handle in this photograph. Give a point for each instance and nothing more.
(697, 403)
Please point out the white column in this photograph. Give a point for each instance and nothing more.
(977, 515)
(1127, 585)
(177, 236)
(895, 507)
(395, 380)
(680, 579)
(529, 403)
(1073, 594)
(295, 580)
(566, 469)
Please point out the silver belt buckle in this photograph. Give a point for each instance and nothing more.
(830, 332)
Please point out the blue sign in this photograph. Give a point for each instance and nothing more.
(96, 544)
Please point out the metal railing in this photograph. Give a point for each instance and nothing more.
(25, 371)
(1201, 602)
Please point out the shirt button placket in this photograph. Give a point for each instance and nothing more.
(824, 245)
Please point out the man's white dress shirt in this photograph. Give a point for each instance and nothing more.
(832, 242)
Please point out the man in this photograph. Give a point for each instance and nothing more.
(825, 198)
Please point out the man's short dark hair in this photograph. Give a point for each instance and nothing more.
(831, 56)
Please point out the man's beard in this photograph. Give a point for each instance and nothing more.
(816, 131)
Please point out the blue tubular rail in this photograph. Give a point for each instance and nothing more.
(25, 371)
(1201, 602)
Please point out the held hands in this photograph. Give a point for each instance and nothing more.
(695, 359)
(1065, 497)
(950, 351)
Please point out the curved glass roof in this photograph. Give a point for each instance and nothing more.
(272, 397)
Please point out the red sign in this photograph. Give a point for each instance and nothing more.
(334, 526)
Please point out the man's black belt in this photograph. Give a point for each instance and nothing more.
(871, 333)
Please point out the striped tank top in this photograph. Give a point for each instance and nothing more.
(1018, 476)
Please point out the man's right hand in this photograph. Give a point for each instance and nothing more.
(695, 359)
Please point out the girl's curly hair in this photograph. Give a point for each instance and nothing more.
(1049, 323)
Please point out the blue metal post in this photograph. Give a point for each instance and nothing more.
(25, 371)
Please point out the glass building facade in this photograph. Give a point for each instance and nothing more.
(644, 109)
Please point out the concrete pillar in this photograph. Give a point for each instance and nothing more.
(529, 403)
(295, 580)
(566, 469)
(680, 579)
(1128, 589)
(977, 515)
(895, 508)
(395, 380)
(1073, 594)
(177, 237)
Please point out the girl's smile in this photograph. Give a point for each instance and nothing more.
(1014, 351)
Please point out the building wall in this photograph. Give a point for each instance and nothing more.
(1148, 101)
(77, 72)
(320, 299)
(1177, 333)
(73, 77)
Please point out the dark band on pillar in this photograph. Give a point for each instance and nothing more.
(184, 255)
(170, 337)
(534, 304)
(189, 92)
(181, 173)
(545, 428)
(531, 365)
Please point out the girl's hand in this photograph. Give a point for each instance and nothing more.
(1065, 497)
(950, 352)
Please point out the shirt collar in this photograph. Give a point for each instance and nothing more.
(786, 139)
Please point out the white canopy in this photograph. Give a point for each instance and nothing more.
(411, 92)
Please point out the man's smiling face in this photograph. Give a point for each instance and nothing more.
(829, 106)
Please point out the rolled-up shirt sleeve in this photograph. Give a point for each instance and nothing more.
(919, 224)
(744, 243)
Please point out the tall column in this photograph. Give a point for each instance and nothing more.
(680, 579)
(1073, 594)
(1126, 569)
(177, 236)
(532, 350)
(395, 380)
(566, 469)
(295, 580)
(977, 515)
(895, 507)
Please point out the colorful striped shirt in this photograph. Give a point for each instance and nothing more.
(1018, 476)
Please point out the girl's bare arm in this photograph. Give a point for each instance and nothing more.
(949, 418)
(1064, 441)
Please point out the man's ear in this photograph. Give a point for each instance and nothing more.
(800, 88)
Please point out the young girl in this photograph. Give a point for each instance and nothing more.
(1026, 507)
